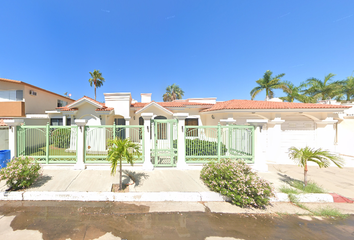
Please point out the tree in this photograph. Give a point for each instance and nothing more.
(268, 83)
(322, 89)
(321, 157)
(294, 93)
(120, 149)
(96, 79)
(347, 89)
(173, 92)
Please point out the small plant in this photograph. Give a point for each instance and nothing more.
(311, 187)
(236, 180)
(21, 172)
(288, 190)
(329, 212)
(321, 157)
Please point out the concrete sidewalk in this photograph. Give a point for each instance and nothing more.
(170, 182)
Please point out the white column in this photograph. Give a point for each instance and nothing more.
(80, 165)
(181, 145)
(127, 123)
(64, 120)
(259, 158)
(325, 134)
(274, 138)
(13, 123)
(147, 148)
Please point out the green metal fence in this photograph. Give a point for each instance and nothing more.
(96, 140)
(206, 143)
(48, 144)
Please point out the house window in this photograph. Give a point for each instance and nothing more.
(59, 121)
(61, 103)
(192, 132)
(120, 132)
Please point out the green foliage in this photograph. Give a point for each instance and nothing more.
(173, 92)
(20, 172)
(322, 90)
(96, 79)
(121, 149)
(197, 147)
(237, 181)
(61, 137)
(268, 83)
(329, 212)
(311, 187)
(288, 190)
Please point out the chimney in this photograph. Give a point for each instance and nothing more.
(145, 97)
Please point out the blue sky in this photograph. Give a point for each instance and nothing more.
(208, 48)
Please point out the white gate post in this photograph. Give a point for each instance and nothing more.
(181, 145)
(259, 158)
(80, 165)
(127, 123)
(13, 123)
(147, 148)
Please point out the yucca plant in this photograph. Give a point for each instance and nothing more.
(119, 150)
(323, 158)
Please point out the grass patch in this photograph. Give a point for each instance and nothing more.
(329, 212)
(288, 190)
(311, 187)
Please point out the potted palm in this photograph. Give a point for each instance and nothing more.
(119, 150)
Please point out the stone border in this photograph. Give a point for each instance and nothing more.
(148, 196)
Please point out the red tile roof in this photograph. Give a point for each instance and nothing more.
(251, 104)
(2, 122)
(174, 104)
(103, 108)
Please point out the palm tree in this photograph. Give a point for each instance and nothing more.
(268, 83)
(321, 157)
(173, 92)
(292, 92)
(96, 79)
(120, 149)
(322, 89)
(347, 89)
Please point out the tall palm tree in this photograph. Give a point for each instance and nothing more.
(96, 79)
(321, 157)
(173, 92)
(292, 92)
(347, 89)
(120, 149)
(322, 89)
(268, 83)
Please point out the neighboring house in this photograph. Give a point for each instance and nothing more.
(20, 100)
(281, 124)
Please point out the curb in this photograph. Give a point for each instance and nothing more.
(115, 197)
(155, 197)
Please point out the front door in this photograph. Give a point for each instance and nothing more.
(164, 149)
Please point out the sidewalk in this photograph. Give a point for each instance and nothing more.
(169, 183)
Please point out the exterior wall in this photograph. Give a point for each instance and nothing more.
(12, 109)
(43, 101)
(345, 134)
(87, 111)
(4, 138)
(120, 102)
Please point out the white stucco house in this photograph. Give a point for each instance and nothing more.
(280, 125)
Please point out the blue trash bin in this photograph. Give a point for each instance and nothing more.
(5, 157)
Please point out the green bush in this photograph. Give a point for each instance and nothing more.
(61, 137)
(20, 172)
(197, 147)
(237, 181)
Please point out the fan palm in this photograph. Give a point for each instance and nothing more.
(322, 89)
(323, 158)
(173, 92)
(96, 79)
(268, 83)
(119, 150)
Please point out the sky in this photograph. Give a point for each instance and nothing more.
(209, 48)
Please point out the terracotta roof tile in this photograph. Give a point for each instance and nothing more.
(251, 104)
(66, 109)
(2, 122)
(103, 108)
(173, 104)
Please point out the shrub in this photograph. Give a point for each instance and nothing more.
(237, 181)
(61, 137)
(20, 172)
(197, 147)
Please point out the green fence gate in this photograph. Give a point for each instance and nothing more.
(206, 143)
(96, 140)
(164, 142)
(48, 144)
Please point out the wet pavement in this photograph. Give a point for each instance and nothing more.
(112, 220)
